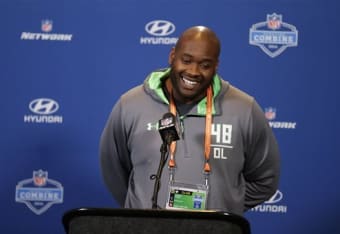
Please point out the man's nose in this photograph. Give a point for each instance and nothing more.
(193, 69)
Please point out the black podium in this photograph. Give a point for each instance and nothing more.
(150, 221)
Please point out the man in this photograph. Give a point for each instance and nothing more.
(227, 157)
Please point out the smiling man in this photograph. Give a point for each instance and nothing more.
(194, 62)
(227, 157)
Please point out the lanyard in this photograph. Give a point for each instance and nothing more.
(207, 136)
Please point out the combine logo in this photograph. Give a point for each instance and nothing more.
(159, 30)
(46, 28)
(270, 114)
(43, 108)
(273, 36)
(39, 193)
(272, 206)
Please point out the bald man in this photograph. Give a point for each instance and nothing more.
(226, 158)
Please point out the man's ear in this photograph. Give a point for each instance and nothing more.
(216, 67)
(171, 55)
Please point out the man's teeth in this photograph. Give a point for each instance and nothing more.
(189, 82)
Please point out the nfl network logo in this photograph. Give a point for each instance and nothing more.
(273, 36)
(271, 114)
(46, 27)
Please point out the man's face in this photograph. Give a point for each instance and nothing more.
(193, 65)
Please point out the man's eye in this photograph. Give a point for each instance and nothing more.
(205, 65)
(186, 61)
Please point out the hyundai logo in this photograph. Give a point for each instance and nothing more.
(275, 198)
(160, 27)
(43, 106)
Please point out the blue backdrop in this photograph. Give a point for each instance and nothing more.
(65, 63)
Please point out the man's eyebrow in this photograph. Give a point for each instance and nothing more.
(188, 55)
(203, 60)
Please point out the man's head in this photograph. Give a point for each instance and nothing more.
(194, 61)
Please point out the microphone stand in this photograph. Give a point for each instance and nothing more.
(157, 177)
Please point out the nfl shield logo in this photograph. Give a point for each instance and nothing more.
(46, 25)
(39, 178)
(167, 121)
(270, 113)
(274, 21)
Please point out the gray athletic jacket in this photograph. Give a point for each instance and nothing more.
(244, 154)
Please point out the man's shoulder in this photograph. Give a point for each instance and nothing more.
(241, 93)
(133, 94)
(231, 92)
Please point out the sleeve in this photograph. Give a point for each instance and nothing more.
(262, 164)
(114, 155)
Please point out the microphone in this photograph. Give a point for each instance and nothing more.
(168, 128)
